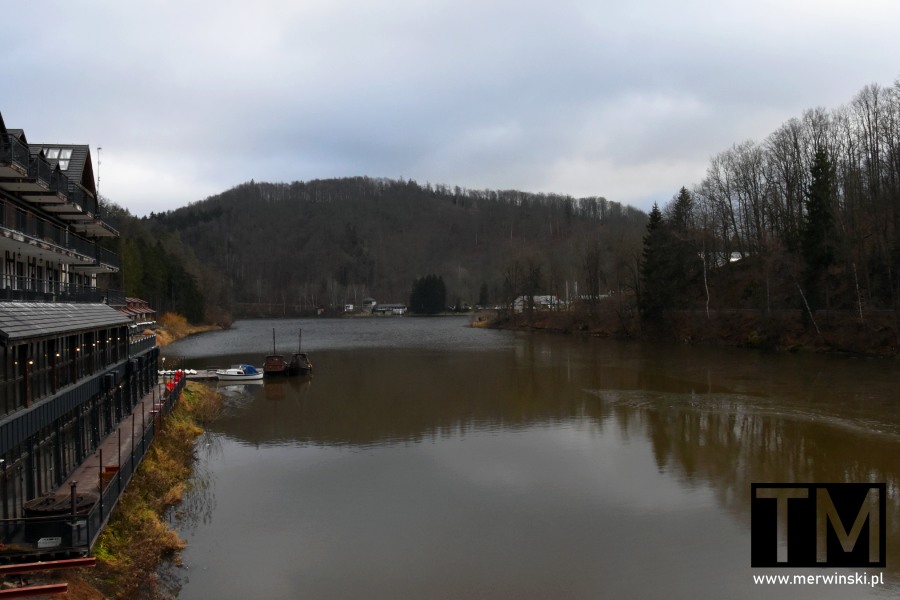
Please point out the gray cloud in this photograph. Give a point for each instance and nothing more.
(624, 100)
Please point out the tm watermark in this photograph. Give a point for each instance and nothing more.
(801, 525)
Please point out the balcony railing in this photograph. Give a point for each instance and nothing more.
(77, 196)
(27, 289)
(13, 151)
(141, 343)
(40, 170)
(87, 202)
(32, 226)
(108, 257)
(59, 183)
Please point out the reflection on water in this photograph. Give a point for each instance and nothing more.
(427, 459)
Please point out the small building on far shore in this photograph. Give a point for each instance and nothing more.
(545, 302)
(389, 309)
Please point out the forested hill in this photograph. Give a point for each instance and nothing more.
(331, 242)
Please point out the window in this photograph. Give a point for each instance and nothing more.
(65, 154)
(62, 155)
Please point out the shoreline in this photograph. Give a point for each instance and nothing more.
(877, 335)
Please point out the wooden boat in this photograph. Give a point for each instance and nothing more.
(300, 364)
(239, 373)
(277, 364)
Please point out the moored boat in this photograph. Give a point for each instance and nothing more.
(239, 373)
(300, 364)
(275, 364)
(278, 364)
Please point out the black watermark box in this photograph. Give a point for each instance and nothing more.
(818, 524)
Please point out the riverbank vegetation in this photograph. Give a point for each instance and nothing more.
(173, 327)
(138, 537)
(786, 330)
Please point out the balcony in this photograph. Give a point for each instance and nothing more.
(31, 178)
(79, 206)
(95, 228)
(26, 289)
(14, 157)
(24, 232)
(53, 189)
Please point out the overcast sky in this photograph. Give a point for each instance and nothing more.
(628, 100)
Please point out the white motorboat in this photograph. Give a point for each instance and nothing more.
(239, 373)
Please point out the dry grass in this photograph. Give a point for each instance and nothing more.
(173, 327)
(138, 538)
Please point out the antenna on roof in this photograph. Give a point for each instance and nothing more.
(98, 172)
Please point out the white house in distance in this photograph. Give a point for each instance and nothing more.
(545, 302)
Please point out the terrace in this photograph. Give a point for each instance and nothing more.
(35, 175)
(24, 231)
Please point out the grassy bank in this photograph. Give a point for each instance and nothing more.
(173, 327)
(138, 538)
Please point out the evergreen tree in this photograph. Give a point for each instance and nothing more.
(670, 261)
(686, 265)
(483, 295)
(681, 210)
(818, 239)
(428, 296)
(656, 289)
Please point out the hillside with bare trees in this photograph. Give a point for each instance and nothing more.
(279, 248)
(807, 220)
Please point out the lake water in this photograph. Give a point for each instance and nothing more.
(428, 459)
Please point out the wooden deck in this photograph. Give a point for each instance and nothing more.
(117, 447)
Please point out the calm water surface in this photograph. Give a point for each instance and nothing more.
(427, 459)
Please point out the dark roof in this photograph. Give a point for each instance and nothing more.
(21, 320)
(80, 169)
(19, 134)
